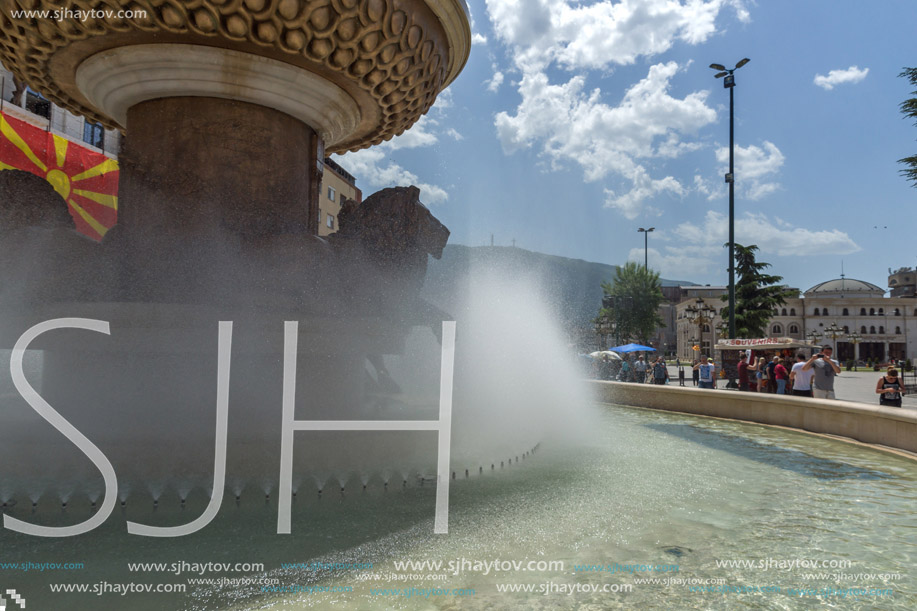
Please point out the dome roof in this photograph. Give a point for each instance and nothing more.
(845, 286)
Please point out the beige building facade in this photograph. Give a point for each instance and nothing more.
(852, 315)
(337, 185)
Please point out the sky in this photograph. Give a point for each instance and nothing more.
(575, 123)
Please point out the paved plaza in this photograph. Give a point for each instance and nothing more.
(858, 386)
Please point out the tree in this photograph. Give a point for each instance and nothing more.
(632, 301)
(757, 294)
(909, 109)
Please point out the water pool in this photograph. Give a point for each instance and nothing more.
(723, 515)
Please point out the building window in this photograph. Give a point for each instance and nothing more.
(881, 330)
(862, 311)
(792, 311)
(897, 312)
(94, 134)
(815, 313)
(329, 222)
(846, 329)
(881, 312)
(783, 312)
(824, 311)
(794, 330)
(846, 313)
(872, 311)
(776, 329)
(331, 193)
(872, 330)
(36, 103)
(897, 330)
(863, 329)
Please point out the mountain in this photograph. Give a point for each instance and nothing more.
(573, 287)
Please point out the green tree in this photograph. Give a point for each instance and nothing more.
(632, 300)
(909, 109)
(757, 294)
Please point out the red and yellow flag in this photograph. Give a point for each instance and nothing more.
(87, 180)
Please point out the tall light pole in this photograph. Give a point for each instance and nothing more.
(729, 83)
(701, 313)
(646, 233)
(855, 338)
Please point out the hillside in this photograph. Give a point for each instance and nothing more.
(572, 287)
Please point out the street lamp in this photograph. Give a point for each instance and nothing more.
(701, 313)
(729, 83)
(834, 332)
(646, 233)
(855, 338)
(813, 336)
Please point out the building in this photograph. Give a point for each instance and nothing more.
(35, 109)
(903, 282)
(337, 185)
(853, 315)
(666, 339)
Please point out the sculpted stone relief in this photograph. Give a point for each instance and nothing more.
(393, 51)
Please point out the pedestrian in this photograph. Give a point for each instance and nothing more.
(744, 368)
(695, 376)
(681, 373)
(889, 388)
(761, 374)
(624, 376)
(660, 372)
(706, 373)
(781, 375)
(605, 368)
(771, 377)
(825, 369)
(640, 370)
(802, 380)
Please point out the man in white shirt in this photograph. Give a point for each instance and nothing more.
(825, 369)
(801, 378)
(707, 373)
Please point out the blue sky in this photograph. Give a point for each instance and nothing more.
(575, 123)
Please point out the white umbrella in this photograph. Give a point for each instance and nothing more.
(614, 356)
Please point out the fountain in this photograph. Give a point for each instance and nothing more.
(229, 111)
(143, 362)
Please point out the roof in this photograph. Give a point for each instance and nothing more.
(846, 286)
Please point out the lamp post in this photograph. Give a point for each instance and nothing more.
(813, 336)
(729, 83)
(646, 233)
(855, 338)
(834, 332)
(701, 313)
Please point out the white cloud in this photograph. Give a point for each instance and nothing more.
(775, 238)
(373, 166)
(694, 250)
(631, 204)
(673, 264)
(494, 83)
(755, 168)
(567, 122)
(853, 74)
(454, 134)
(478, 39)
(598, 35)
(570, 124)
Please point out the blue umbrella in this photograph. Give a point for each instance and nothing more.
(633, 348)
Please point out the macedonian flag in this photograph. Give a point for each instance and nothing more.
(86, 179)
